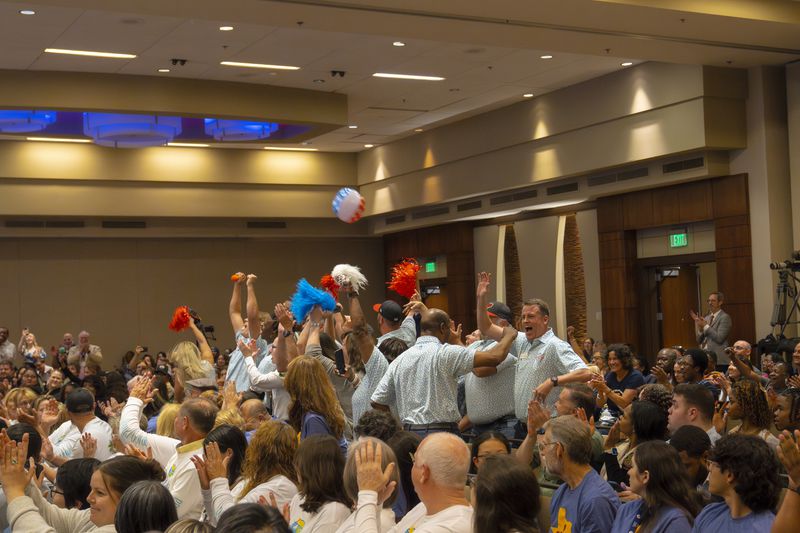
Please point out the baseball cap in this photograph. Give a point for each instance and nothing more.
(80, 401)
(500, 310)
(202, 384)
(390, 310)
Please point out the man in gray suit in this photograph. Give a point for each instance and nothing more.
(712, 330)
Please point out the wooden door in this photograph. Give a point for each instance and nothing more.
(677, 295)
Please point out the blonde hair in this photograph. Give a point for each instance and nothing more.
(310, 389)
(270, 453)
(165, 425)
(213, 397)
(18, 394)
(230, 417)
(189, 525)
(185, 357)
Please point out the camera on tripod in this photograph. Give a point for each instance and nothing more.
(792, 264)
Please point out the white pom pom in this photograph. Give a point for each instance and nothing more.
(349, 273)
(348, 205)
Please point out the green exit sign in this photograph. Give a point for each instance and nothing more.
(678, 240)
(430, 266)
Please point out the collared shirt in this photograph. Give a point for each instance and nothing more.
(183, 482)
(492, 397)
(422, 382)
(374, 370)
(537, 361)
(407, 332)
(237, 372)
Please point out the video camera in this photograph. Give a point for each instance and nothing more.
(208, 331)
(792, 264)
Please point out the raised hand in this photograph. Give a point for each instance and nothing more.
(249, 349)
(200, 465)
(793, 381)
(580, 414)
(789, 454)
(13, 474)
(414, 306)
(239, 278)
(89, 445)
(251, 280)
(484, 279)
(613, 437)
(133, 451)
(230, 398)
(570, 332)
(720, 419)
(369, 473)
(143, 389)
(216, 463)
(315, 315)
(272, 502)
(537, 416)
(284, 317)
(455, 334)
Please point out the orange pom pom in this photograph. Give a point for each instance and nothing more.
(180, 319)
(236, 277)
(329, 284)
(404, 277)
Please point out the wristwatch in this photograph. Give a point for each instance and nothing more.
(554, 381)
(287, 333)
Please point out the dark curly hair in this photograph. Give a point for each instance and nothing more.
(753, 402)
(754, 467)
(658, 394)
(649, 422)
(379, 424)
(623, 353)
(793, 394)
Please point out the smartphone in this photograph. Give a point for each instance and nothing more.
(338, 356)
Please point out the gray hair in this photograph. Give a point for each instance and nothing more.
(387, 457)
(447, 457)
(574, 435)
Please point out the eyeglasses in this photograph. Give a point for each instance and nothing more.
(411, 455)
(485, 455)
(543, 445)
(710, 463)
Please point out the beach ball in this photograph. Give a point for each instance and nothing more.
(348, 205)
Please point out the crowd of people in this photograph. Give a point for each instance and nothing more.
(318, 423)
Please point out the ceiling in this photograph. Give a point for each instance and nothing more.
(490, 58)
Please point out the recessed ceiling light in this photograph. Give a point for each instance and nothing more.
(226, 28)
(627, 64)
(418, 130)
(59, 140)
(163, 70)
(352, 126)
(257, 65)
(88, 53)
(287, 149)
(398, 43)
(189, 145)
(27, 12)
(407, 76)
(527, 95)
(368, 145)
(546, 56)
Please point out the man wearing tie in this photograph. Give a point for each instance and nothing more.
(713, 329)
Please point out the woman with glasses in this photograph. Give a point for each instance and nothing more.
(667, 503)
(485, 445)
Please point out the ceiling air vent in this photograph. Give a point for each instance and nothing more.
(24, 223)
(525, 195)
(397, 219)
(65, 224)
(633, 173)
(468, 206)
(686, 164)
(434, 212)
(266, 224)
(605, 179)
(561, 189)
(124, 224)
(497, 200)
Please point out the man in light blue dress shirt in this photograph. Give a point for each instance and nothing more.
(544, 362)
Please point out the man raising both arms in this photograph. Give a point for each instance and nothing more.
(544, 362)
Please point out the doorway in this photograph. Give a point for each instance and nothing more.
(669, 290)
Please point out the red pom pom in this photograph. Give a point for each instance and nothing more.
(329, 284)
(180, 319)
(404, 278)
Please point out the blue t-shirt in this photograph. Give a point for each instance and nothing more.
(633, 380)
(237, 370)
(667, 520)
(315, 424)
(589, 508)
(716, 518)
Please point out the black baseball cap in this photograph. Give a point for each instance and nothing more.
(500, 310)
(80, 400)
(390, 310)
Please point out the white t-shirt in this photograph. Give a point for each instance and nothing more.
(386, 518)
(66, 440)
(326, 520)
(455, 519)
(219, 498)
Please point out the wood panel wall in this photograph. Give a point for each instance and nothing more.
(723, 200)
(456, 242)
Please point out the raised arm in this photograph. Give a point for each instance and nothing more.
(253, 320)
(576, 346)
(488, 329)
(356, 312)
(138, 352)
(205, 350)
(235, 307)
(363, 342)
(497, 353)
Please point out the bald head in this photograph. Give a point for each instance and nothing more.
(254, 412)
(436, 323)
(447, 458)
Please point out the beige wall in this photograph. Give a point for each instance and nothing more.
(124, 291)
(654, 242)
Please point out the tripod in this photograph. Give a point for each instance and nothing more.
(784, 290)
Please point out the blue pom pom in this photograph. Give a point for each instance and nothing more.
(307, 297)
